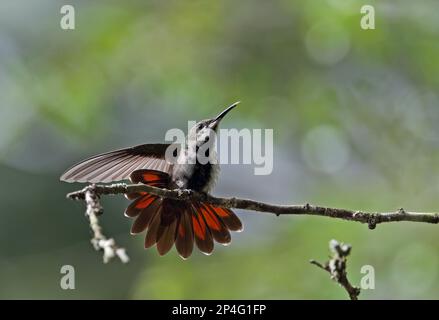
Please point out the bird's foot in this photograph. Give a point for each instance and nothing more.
(185, 193)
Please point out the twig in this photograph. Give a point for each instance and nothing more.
(369, 218)
(336, 267)
(99, 241)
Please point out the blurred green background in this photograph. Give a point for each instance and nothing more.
(354, 114)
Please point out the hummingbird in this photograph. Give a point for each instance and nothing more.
(168, 221)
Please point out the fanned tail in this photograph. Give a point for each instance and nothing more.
(170, 221)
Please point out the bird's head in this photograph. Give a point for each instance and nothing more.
(204, 130)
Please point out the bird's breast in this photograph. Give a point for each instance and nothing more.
(197, 176)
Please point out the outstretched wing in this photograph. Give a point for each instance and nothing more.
(119, 164)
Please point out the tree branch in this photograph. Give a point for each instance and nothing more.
(369, 218)
(336, 267)
(90, 194)
(99, 241)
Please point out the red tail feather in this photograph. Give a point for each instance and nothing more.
(203, 237)
(169, 221)
(145, 216)
(184, 242)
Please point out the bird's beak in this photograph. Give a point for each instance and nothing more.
(216, 121)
